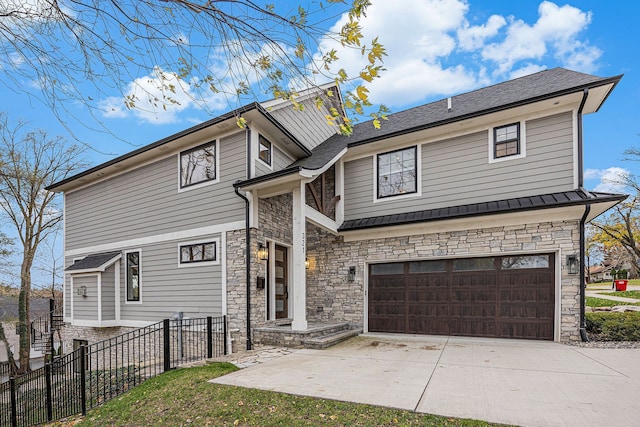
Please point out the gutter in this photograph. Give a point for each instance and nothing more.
(587, 209)
(585, 87)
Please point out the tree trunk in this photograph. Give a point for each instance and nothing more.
(24, 318)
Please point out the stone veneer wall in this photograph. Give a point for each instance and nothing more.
(71, 332)
(331, 298)
(275, 223)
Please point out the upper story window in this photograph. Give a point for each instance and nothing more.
(198, 252)
(198, 165)
(265, 150)
(397, 172)
(133, 276)
(506, 141)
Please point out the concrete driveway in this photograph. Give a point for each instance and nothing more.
(528, 383)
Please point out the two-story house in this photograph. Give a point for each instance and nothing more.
(464, 216)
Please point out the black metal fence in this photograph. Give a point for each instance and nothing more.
(93, 374)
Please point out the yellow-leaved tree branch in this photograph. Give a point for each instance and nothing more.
(160, 54)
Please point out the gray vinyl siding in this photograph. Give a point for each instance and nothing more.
(85, 308)
(166, 288)
(309, 126)
(146, 201)
(280, 160)
(109, 294)
(457, 171)
(262, 168)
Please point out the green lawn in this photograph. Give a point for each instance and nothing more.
(601, 302)
(184, 397)
(626, 294)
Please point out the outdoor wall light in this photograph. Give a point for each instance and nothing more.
(307, 263)
(351, 277)
(572, 264)
(263, 252)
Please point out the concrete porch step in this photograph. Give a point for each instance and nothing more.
(326, 341)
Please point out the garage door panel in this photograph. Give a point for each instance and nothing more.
(492, 297)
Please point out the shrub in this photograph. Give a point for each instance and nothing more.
(612, 326)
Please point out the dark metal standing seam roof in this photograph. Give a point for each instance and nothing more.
(519, 204)
(93, 262)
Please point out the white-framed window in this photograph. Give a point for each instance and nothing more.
(265, 150)
(199, 165)
(397, 173)
(507, 142)
(201, 252)
(133, 279)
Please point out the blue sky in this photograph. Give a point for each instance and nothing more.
(436, 49)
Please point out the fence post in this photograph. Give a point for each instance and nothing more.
(209, 337)
(167, 343)
(47, 380)
(224, 338)
(14, 403)
(83, 380)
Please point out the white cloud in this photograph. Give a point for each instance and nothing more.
(158, 98)
(473, 38)
(611, 180)
(556, 29)
(434, 48)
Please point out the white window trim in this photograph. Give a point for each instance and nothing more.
(204, 183)
(215, 240)
(523, 143)
(140, 281)
(391, 199)
(265, 164)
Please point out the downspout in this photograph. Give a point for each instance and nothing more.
(248, 266)
(247, 241)
(587, 209)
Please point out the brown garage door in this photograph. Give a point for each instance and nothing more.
(506, 297)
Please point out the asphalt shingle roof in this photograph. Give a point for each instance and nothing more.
(91, 262)
(541, 85)
(544, 201)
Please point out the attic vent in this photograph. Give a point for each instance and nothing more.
(449, 104)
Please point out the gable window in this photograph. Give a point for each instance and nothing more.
(198, 165)
(133, 276)
(506, 141)
(199, 252)
(397, 172)
(264, 152)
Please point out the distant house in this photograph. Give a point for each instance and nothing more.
(600, 273)
(464, 216)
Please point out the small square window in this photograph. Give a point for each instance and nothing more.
(264, 153)
(506, 141)
(198, 252)
(397, 172)
(198, 165)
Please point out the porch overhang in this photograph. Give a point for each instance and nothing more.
(95, 263)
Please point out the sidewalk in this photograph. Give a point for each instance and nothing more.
(599, 293)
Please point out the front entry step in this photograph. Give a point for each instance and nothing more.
(315, 336)
(327, 341)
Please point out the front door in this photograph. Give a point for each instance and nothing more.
(281, 282)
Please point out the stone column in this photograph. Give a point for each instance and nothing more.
(299, 285)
